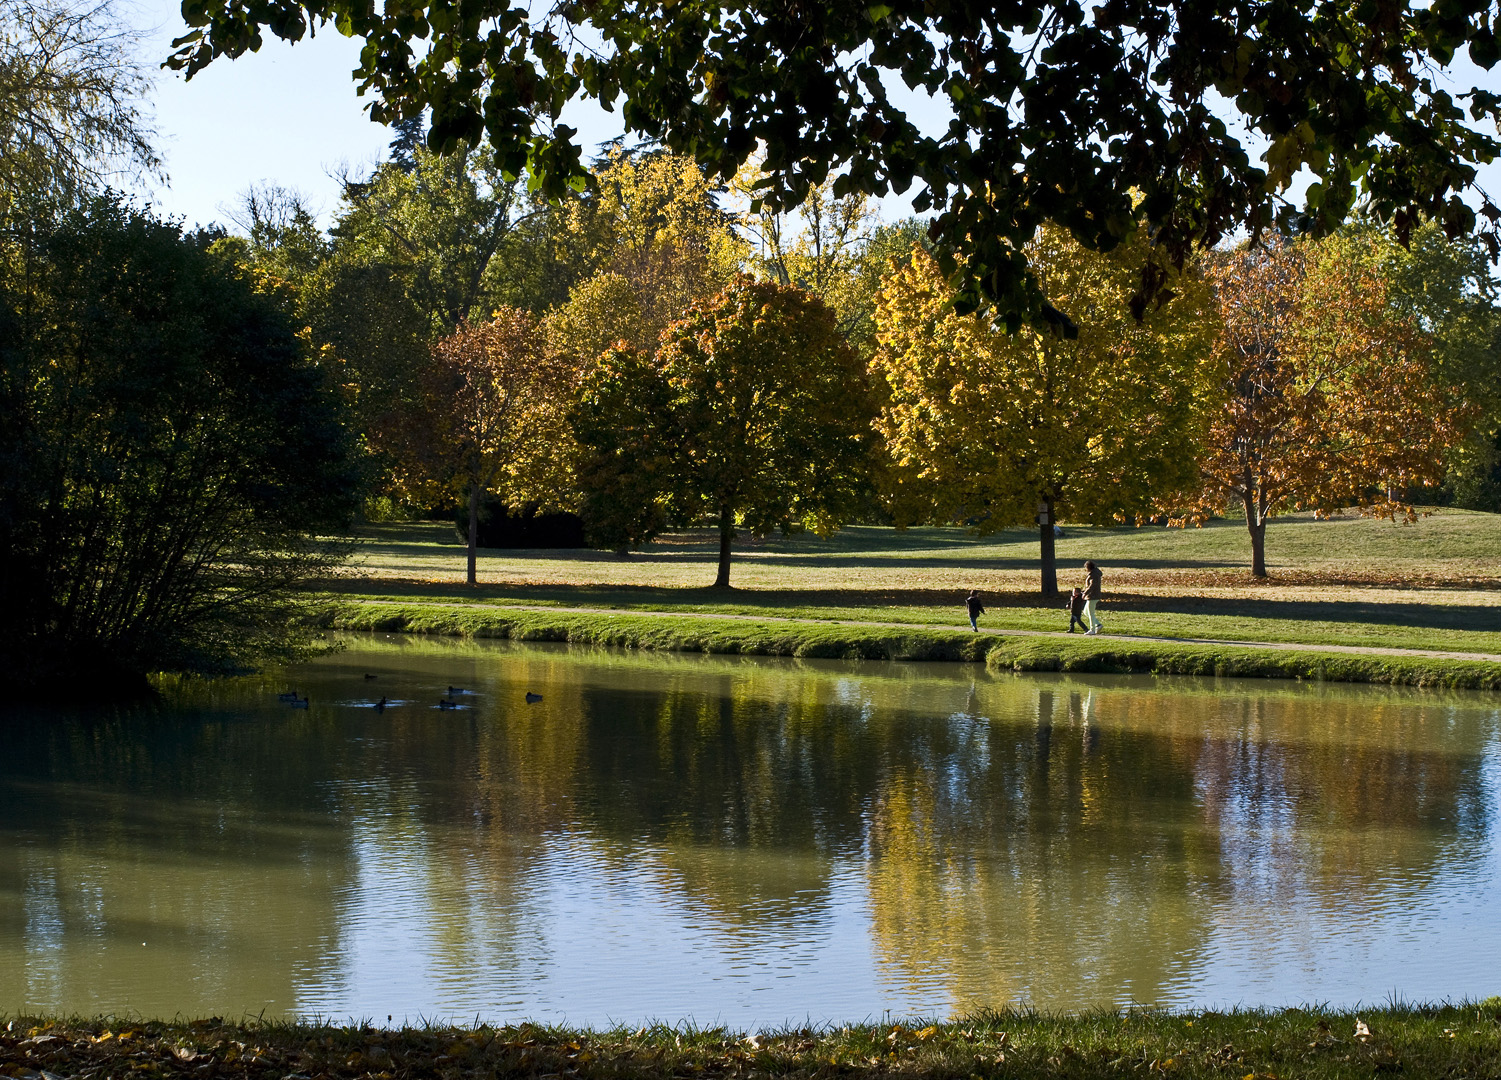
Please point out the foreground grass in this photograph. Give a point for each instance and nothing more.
(1350, 581)
(856, 642)
(1450, 1041)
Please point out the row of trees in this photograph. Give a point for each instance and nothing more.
(1376, 376)
(1309, 375)
(185, 413)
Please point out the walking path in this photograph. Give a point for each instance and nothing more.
(1284, 646)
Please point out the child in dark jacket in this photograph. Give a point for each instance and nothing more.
(975, 608)
(1075, 607)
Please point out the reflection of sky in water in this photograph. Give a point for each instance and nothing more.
(595, 939)
(1412, 934)
(750, 844)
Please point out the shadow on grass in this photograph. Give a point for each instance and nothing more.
(395, 547)
(404, 537)
(1421, 616)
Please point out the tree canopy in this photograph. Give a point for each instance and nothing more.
(1329, 390)
(169, 454)
(1061, 111)
(650, 241)
(1447, 288)
(754, 414)
(1002, 429)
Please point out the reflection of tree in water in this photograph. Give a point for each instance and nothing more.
(203, 838)
(1001, 861)
(1045, 867)
(1050, 841)
(473, 799)
(745, 787)
(1363, 797)
(1034, 844)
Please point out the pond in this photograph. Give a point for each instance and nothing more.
(742, 842)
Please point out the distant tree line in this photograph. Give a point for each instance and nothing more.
(1366, 376)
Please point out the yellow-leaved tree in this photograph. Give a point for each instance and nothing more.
(997, 429)
(819, 246)
(655, 239)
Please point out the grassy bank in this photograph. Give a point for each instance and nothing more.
(1453, 1041)
(855, 642)
(1350, 581)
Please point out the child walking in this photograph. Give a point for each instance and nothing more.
(1075, 607)
(975, 609)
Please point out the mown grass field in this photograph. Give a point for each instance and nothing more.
(1348, 581)
(1452, 1041)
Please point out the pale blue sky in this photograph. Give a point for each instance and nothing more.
(287, 114)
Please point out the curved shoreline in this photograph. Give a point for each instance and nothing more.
(1017, 650)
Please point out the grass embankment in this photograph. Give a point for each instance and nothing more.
(847, 642)
(1455, 1041)
(1349, 582)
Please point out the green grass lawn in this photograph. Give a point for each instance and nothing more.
(1347, 581)
(1449, 1041)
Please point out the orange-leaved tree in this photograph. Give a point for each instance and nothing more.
(1330, 398)
(492, 418)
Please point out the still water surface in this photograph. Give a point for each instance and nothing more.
(746, 842)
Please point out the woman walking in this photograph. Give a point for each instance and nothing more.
(1092, 578)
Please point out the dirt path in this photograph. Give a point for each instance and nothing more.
(1282, 646)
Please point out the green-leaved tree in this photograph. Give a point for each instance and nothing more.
(762, 417)
(169, 456)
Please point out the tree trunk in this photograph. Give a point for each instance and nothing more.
(1049, 559)
(726, 537)
(1256, 526)
(473, 529)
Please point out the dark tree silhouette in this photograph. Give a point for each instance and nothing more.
(168, 456)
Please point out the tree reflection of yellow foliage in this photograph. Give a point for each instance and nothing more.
(918, 922)
(1054, 841)
(1051, 879)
